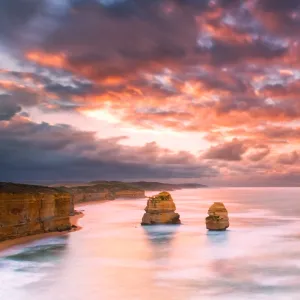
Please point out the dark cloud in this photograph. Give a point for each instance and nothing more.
(288, 158)
(230, 151)
(223, 53)
(59, 152)
(225, 82)
(239, 104)
(114, 39)
(226, 68)
(8, 108)
(131, 36)
(280, 132)
(80, 89)
(280, 17)
(278, 5)
(258, 106)
(15, 15)
(16, 99)
(259, 153)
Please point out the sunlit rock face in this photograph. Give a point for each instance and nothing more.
(27, 210)
(160, 209)
(217, 217)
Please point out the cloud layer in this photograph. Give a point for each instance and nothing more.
(33, 151)
(225, 70)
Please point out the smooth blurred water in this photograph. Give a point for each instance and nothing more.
(113, 257)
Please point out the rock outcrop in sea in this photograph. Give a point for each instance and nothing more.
(160, 209)
(27, 210)
(217, 219)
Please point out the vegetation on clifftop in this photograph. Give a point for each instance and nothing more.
(18, 188)
(152, 186)
(112, 186)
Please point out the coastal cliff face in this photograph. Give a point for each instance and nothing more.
(130, 194)
(104, 191)
(149, 185)
(27, 210)
(79, 197)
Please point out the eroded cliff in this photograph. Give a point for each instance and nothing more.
(103, 191)
(27, 210)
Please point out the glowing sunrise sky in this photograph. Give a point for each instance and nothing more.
(171, 90)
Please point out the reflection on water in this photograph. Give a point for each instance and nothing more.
(160, 235)
(54, 249)
(113, 257)
(218, 237)
(160, 239)
(22, 266)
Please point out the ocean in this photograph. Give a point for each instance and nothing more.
(114, 257)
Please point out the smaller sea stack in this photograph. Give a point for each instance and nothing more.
(160, 209)
(217, 219)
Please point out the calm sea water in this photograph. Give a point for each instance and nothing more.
(113, 257)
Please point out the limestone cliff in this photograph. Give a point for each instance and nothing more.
(79, 197)
(151, 185)
(130, 193)
(27, 210)
(103, 191)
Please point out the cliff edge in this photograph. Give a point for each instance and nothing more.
(29, 209)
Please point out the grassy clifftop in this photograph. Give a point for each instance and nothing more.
(18, 188)
(97, 186)
(100, 186)
(150, 186)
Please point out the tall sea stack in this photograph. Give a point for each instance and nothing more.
(217, 219)
(160, 209)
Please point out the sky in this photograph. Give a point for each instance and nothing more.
(170, 90)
